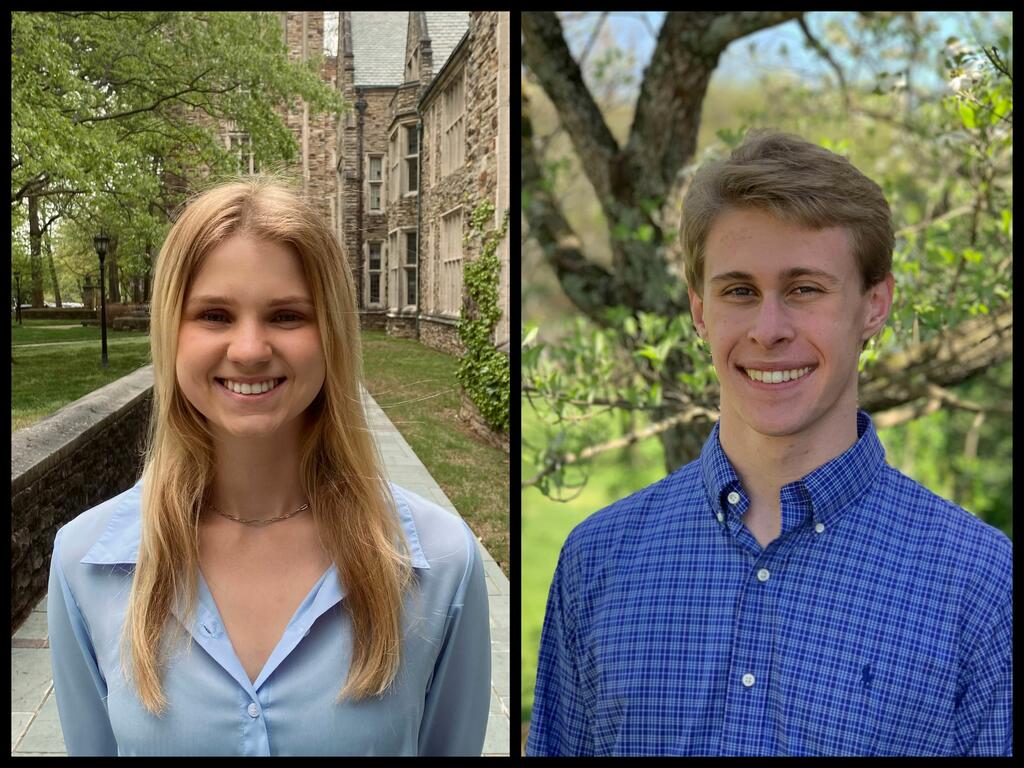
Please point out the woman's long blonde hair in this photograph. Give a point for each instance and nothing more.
(341, 472)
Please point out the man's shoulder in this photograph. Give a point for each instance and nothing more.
(953, 530)
(666, 496)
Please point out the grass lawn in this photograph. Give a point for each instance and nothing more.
(46, 378)
(415, 386)
(417, 389)
(547, 523)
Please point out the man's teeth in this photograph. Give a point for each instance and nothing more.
(776, 377)
(250, 389)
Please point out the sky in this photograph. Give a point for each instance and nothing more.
(632, 32)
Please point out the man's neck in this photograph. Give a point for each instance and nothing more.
(765, 463)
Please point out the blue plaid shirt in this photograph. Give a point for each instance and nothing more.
(879, 622)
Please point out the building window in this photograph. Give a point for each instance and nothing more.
(431, 137)
(451, 262)
(412, 159)
(240, 145)
(412, 66)
(376, 181)
(410, 268)
(392, 260)
(453, 122)
(393, 183)
(373, 273)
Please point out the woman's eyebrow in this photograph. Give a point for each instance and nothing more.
(272, 303)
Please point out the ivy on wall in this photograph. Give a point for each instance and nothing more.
(484, 371)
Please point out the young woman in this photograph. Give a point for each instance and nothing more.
(335, 613)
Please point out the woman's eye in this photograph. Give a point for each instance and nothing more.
(288, 317)
(212, 315)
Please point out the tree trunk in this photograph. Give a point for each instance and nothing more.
(113, 289)
(35, 256)
(53, 272)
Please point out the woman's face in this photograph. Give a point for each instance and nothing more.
(249, 355)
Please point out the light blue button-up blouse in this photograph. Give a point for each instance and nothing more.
(438, 704)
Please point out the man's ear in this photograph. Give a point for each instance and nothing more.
(879, 304)
(697, 310)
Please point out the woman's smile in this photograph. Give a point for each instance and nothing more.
(259, 392)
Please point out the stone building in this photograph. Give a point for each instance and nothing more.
(400, 174)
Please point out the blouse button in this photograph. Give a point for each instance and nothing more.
(734, 498)
(254, 711)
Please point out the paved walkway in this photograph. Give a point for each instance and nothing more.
(35, 726)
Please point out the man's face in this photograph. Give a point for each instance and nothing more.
(784, 302)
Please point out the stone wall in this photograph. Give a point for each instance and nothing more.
(482, 137)
(441, 333)
(316, 134)
(82, 455)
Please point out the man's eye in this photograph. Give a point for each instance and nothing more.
(807, 288)
(732, 292)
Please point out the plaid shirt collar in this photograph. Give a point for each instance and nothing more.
(826, 491)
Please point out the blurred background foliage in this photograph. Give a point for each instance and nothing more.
(924, 111)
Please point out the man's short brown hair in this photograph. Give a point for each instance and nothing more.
(799, 183)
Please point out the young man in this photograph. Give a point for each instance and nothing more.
(787, 593)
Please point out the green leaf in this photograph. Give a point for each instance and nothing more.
(967, 115)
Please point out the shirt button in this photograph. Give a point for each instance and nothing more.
(748, 679)
(720, 516)
(734, 498)
(819, 527)
(763, 574)
(254, 711)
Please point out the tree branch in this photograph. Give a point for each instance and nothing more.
(663, 136)
(546, 54)
(555, 463)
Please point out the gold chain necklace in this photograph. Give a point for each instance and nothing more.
(260, 522)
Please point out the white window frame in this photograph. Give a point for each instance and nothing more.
(451, 258)
(371, 183)
(396, 164)
(453, 125)
(369, 271)
(243, 140)
(408, 268)
(407, 129)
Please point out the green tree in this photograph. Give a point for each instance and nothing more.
(943, 159)
(100, 129)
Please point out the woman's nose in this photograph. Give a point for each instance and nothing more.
(249, 343)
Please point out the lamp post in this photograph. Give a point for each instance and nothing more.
(17, 279)
(100, 243)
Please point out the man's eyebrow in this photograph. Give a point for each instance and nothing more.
(787, 274)
(273, 303)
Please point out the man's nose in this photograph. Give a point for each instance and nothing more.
(772, 323)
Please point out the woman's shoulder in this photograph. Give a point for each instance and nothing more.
(439, 536)
(97, 534)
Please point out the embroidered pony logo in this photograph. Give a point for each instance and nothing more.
(866, 676)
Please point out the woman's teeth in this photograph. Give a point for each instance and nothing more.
(257, 388)
(776, 377)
